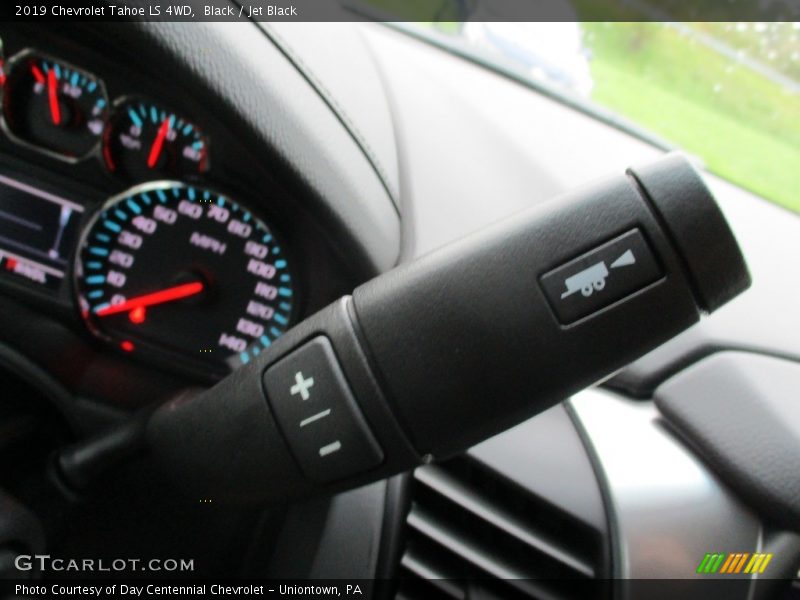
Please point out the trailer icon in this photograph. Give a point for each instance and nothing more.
(587, 281)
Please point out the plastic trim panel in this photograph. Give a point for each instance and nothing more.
(667, 509)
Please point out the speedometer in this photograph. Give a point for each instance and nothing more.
(180, 272)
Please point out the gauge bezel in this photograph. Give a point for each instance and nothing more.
(113, 112)
(155, 354)
(9, 65)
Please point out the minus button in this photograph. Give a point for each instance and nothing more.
(330, 448)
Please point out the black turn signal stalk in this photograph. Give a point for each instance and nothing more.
(439, 354)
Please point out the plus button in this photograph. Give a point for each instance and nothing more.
(302, 385)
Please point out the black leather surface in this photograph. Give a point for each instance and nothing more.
(339, 65)
(742, 413)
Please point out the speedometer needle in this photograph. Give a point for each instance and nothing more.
(166, 295)
(155, 150)
(52, 95)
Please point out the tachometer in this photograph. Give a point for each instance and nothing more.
(144, 140)
(54, 106)
(176, 271)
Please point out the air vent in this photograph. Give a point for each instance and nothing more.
(472, 534)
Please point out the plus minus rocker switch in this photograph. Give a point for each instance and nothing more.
(318, 415)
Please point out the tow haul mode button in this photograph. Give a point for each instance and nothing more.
(319, 417)
(600, 277)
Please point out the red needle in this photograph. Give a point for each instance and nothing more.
(158, 143)
(168, 295)
(52, 94)
(37, 73)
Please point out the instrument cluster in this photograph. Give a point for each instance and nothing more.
(64, 111)
(170, 269)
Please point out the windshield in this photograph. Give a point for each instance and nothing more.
(728, 93)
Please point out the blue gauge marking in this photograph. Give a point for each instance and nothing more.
(134, 117)
(146, 139)
(54, 106)
(133, 206)
(241, 297)
(108, 224)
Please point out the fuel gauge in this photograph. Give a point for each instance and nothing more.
(144, 140)
(54, 106)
